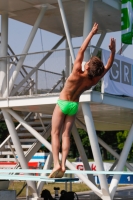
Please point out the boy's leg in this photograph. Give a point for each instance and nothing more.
(68, 123)
(57, 122)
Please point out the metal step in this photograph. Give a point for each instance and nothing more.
(38, 122)
(36, 128)
(7, 159)
(27, 146)
(29, 140)
(9, 152)
(27, 134)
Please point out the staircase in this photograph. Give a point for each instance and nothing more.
(28, 142)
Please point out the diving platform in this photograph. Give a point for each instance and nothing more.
(110, 112)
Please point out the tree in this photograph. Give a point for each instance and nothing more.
(3, 131)
(86, 144)
(121, 138)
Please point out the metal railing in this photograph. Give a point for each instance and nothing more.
(35, 76)
(41, 73)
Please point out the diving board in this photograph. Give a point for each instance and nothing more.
(39, 171)
(36, 178)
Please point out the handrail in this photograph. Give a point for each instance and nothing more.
(48, 51)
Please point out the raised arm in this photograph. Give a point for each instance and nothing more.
(112, 47)
(80, 55)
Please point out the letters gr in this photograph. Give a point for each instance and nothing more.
(121, 72)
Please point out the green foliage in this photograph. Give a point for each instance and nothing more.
(3, 127)
(3, 131)
(84, 137)
(121, 138)
(98, 87)
(86, 144)
(109, 137)
(99, 54)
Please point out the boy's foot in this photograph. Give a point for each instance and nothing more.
(60, 174)
(54, 173)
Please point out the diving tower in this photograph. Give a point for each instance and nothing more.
(22, 92)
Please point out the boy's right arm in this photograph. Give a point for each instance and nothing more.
(80, 55)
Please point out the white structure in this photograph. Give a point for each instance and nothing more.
(21, 81)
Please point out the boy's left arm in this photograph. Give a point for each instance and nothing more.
(112, 47)
(109, 63)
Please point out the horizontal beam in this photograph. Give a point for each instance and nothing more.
(37, 178)
(47, 99)
(39, 171)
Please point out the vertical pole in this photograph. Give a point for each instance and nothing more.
(95, 148)
(66, 30)
(70, 183)
(3, 53)
(121, 162)
(26, 48)
(31, 90)
(87, 24)
(36, 81)
(67, 55)
(19, 150)
(70, 64)
(102, 85)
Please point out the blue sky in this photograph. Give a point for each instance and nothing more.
(19, 32)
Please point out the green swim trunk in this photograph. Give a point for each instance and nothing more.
(68, 107)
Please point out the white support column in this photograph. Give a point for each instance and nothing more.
(87, 25)
(67, 61)
(121, 162)
(95, 149)
(48, 146)
(82, 152)
(26, 48)
(19, 150)
(3, 53)
(66, 30)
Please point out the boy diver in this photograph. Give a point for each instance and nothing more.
(67, 106)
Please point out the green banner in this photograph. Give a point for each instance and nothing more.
(127, 21)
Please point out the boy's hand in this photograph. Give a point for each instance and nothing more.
(94, 29)
(112, 45)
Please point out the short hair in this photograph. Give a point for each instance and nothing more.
(96, 67)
